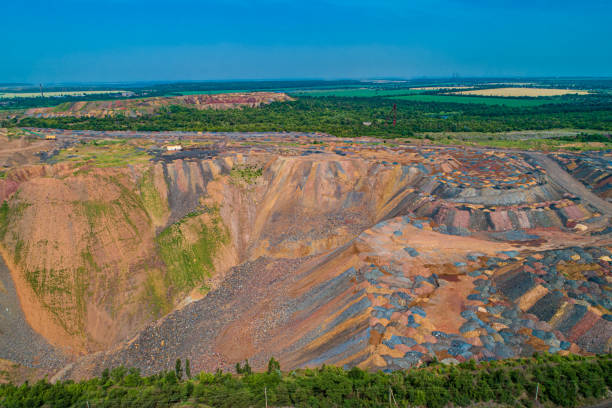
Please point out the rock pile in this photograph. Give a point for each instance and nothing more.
(593, 169)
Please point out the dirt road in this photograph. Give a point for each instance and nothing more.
(34, 146)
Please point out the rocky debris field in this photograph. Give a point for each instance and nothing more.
(348, 252)
(18, 342)
(593, 170)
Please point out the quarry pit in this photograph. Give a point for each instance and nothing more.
(302, 246)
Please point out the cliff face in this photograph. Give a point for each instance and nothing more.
(80, 245)
(98, 253)
(87, 256)
(347, 254)
(391, 298)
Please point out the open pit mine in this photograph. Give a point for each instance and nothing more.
(137, 249)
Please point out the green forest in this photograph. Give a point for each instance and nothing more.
(553, 380)
(346, 116)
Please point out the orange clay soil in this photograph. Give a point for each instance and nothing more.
(261, 251)
(82, 244)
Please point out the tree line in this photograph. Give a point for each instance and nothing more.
(343, 116)
(554, 380)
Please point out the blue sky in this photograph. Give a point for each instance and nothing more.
(131, 40)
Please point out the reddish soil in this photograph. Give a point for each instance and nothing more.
(337, 252)
(138, 107)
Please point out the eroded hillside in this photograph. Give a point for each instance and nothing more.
(300, 246)
(148, 106)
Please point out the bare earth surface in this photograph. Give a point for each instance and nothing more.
(138, 107)
(566, 181)
(302, 246)
(18, 342)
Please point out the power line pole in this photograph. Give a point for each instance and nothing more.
(392, 396)
(537, 390)
(266, 395)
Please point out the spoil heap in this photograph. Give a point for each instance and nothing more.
(301, 246)
(148, 106)
(593, 170)
(393, 298)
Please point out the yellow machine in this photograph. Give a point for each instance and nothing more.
(50, 137)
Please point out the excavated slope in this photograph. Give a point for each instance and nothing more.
(93, 250)
(384, 301)
(348, 255)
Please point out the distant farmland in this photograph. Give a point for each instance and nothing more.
(437, 88)
(522, 92)
(363, 92)
(349, 91)
(11, 95)
(213, 92)
(474, 99)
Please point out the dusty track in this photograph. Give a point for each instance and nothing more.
(561, 178)
(35, 146)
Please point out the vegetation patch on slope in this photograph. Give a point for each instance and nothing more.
(63, 294)
(187, 247)
(103, 153)
(151, 198)
(245, 174)
(9, 212)
(155, 294)
(4, 218)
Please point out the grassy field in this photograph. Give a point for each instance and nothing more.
(322, 90)
(532, 92)
(474, 99)
(347, 92)
(555, 140)
(103, 153)
(11, 95)
(223, 91)
(361, 92)
(529, 144)
(437, 88)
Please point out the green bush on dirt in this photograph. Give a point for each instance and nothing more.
(246, 173)
(188, 262)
